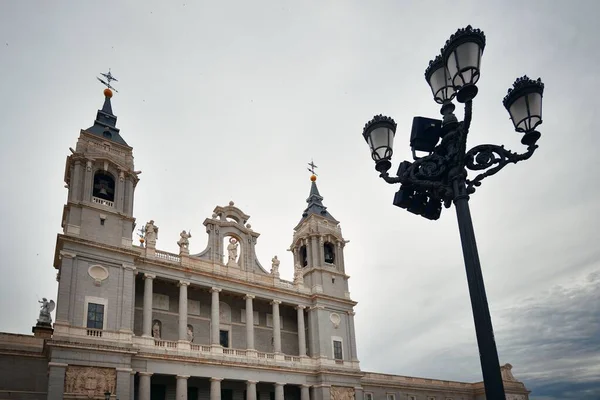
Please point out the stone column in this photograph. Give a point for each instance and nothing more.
(342, 263)
(181, 388)
(305, 392)
(132, 385)
(56, 380)
(215, 388)
(276, 327)
(89, 180)
(315, 251)
(123, 382)
(301, 332)
(251, 390)
(321, 251)
(279, 391)
(147, 314)
(297, 257)
(144, 389)
(214, 319)
(183, 310)
(249, 323)
(309, 251)
(120, 195)
(353, 355)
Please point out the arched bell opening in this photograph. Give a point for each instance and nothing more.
(329, 252)
(104, 186)
(303, 256)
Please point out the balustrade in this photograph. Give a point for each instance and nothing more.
(102, 202)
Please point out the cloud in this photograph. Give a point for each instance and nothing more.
(554, 339)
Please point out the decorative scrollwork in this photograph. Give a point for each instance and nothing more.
(493, 157)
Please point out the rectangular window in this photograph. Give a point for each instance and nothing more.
(411, 397)
(95, 316)
(431, 398)
(224, 338)
(368, 396)
(391, 396)
(337, 352)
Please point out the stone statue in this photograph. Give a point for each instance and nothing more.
(232, 250)
(184, 240)
(46, 308)
(298, 277)
(275, 267)
(190, 333)
(151, 232)
(156, 330)
(506, 372)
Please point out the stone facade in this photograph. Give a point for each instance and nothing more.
(144, 324)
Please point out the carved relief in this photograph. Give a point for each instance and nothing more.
(90, 381)
(341, 393)
(335, 319)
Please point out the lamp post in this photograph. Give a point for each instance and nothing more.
(439, 176)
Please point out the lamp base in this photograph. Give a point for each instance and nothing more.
(466, 93)
(383, 166)
(530, 138)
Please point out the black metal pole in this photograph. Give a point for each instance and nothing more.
(488, 354)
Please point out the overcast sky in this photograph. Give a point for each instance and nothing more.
(229, 100)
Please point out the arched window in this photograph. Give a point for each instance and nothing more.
(329, 252)
(104, 186)
(303, 257)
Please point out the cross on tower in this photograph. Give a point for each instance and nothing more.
(109, 78)
(312, 166)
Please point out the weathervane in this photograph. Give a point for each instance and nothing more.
(109, 78)
(312, 166)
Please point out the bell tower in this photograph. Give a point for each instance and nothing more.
(318, 247)
(101, 180)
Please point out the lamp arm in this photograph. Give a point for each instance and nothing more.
(492, 158)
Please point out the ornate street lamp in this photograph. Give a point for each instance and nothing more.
(441, 176)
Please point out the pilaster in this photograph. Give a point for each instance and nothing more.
(56, 380)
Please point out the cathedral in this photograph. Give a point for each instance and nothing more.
(133, 322)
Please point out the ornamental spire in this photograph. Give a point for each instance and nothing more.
(315, 200)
